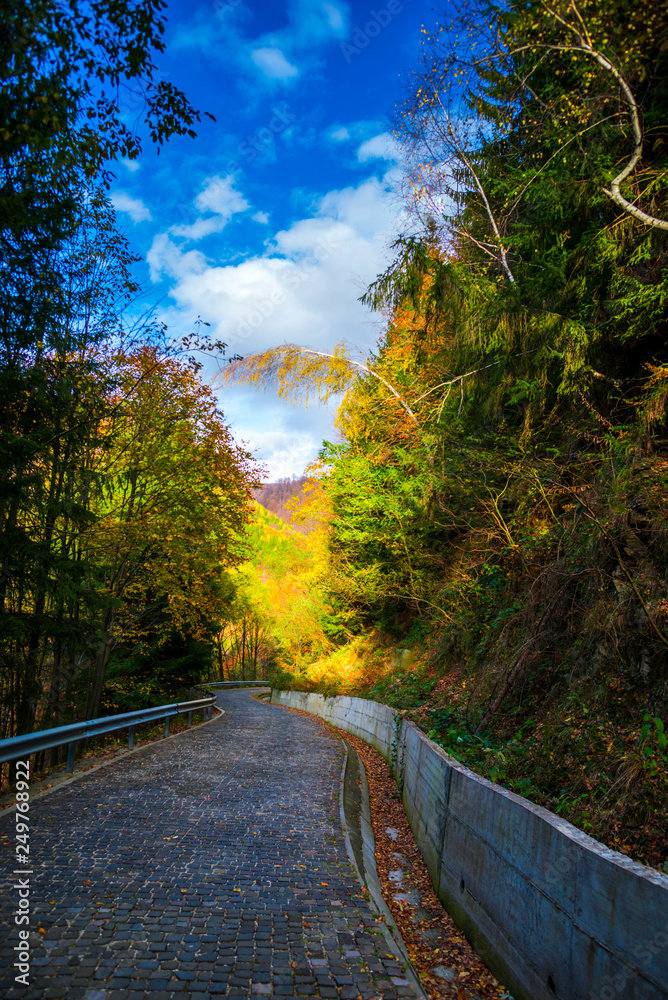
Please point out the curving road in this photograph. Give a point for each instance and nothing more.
(210, 865)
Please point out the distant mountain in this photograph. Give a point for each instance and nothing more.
(274, 496)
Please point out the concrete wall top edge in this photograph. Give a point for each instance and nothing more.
(565, 828)
(561, 825)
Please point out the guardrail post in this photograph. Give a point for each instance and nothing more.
(131, 737)
(167, 726)
(190, 718)
(71, 747)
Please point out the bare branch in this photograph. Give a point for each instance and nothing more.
(369, 371)
(586, 46)
(455, 380)
(281, 363)
(488, 208)
(474, 371)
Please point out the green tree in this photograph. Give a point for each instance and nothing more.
(65, 68)
(53, 401)
(517, 123)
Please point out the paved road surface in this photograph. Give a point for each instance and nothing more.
(212, 864)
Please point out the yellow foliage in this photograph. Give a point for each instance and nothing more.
(296, 373)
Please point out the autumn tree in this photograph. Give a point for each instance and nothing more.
(279, 616)
(173, 500)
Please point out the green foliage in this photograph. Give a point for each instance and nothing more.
(527, 265)
(162, 671)
(274, 548)
(379, 527)
(404, 690)
(655, 750)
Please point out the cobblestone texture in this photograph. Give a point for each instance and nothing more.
(209, 865)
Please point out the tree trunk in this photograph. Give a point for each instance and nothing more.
(100, 669)
(219, 647)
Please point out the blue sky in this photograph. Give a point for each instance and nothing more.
(273, 221)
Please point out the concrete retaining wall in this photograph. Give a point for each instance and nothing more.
(551, 911)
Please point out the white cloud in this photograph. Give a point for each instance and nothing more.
(282, 453)
(220, 197)
(340, 134)
(273, 64)
(365, 134)
(379, 147)
(134, 207)
(284, 438)
(335, 16)
(201, 228)
(303, 289)
(132, 166)
(261, 217)
(166, 258)
(315, 22)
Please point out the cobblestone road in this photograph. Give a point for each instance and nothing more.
(212, 864)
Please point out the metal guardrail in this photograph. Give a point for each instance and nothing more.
(221, 685)
(19, 747)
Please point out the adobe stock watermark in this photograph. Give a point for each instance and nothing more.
(557, 870)
(223, 7)
(260, 139)
(257, 141)
(615, 986)
(23, 871)
(133, 100)
(265, 308)
(364, 34)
